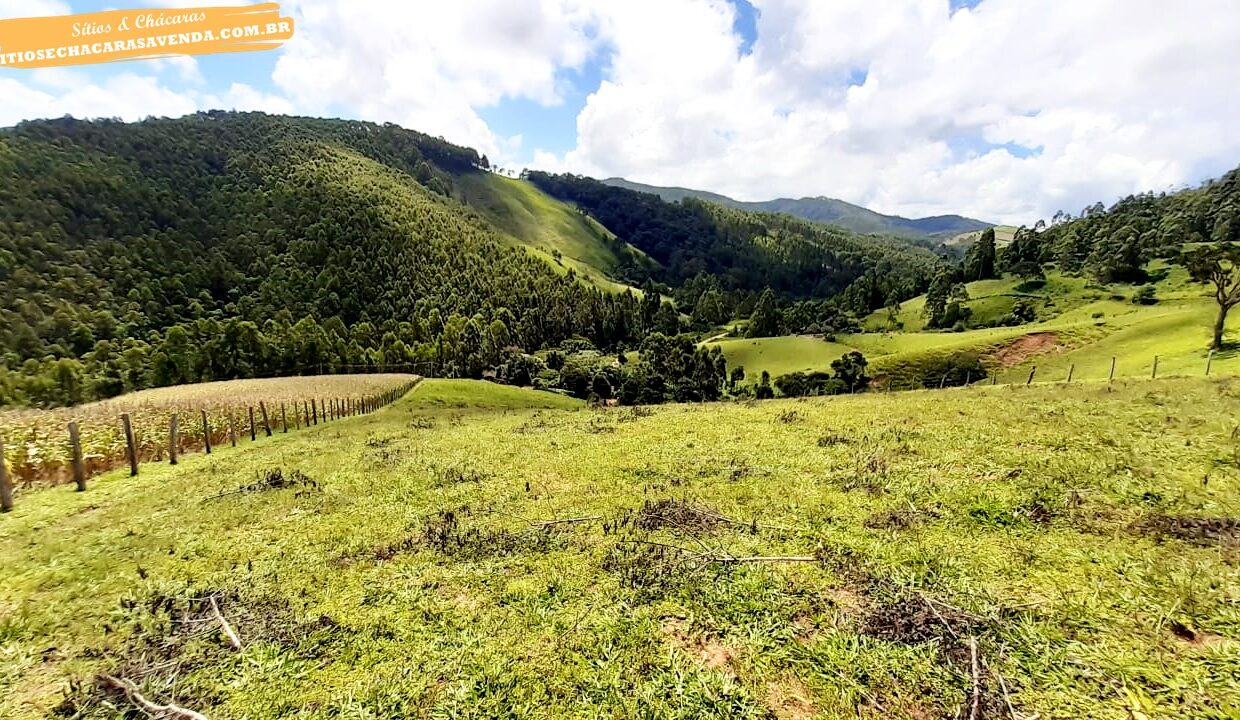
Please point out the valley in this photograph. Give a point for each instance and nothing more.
(327, 418)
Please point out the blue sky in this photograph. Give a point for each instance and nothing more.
(1007, 110)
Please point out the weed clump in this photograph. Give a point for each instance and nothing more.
(275, 479)
(170, 636)
(444, 533)
(635, 412)
(455, 475)
(899, 519)
(679, 516)
(653, 570)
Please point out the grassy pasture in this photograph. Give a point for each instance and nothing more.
(1086, 537)
(780, 355)
(1090, 325)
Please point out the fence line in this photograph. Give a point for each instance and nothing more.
(340, 408)
(950, 380)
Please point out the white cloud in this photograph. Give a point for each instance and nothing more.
(1116, 96)
(430, 66)
(244, 97)
(55, 92)
(903, 105)
(127, 96)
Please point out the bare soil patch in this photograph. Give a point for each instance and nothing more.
(1025, 347)
(1203, 531)
(712, 652)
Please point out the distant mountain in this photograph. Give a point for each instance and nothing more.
(829, 211)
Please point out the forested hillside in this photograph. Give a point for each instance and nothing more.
(1113, 243)
(745, 250)
(230, 245)
(224, 245)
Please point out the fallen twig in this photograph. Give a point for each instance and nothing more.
(232, 635)
(564, 521)
(976, 690)
(938, 615)
(767, 558)
(1006, 698)
(959, 611)
(723, 557)
(150, 708)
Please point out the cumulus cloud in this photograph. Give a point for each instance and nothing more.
(431, 66)
(55, 92)
(1007, 111)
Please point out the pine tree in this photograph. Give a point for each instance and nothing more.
(765, 319)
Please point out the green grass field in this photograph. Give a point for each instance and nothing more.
(545, 225)
(780, 355)
(1089, 325)
(1083, 537)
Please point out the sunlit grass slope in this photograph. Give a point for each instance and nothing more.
(1069, 531)
(546, 225)
(1089, 325)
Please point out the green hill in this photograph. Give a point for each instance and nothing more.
(553, 230)
(461, 554)
(744, 250)
(827, 210)
(223, 245)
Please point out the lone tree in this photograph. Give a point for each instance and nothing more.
(1217, 265)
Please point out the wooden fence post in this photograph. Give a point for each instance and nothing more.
(1209, 362)
(206, 433)
(1111, 377)
(172, 440)
(130, 445)
(314, 410)
(1032, 370)
(6, 486)
(232, 429)
(283, 419)
(266, 423)
(253, 435)
(968, 377)
(1071, 369)
(1154, 373)
(75, 444)
(994, 379)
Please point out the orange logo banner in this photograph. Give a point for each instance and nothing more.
(139, 34)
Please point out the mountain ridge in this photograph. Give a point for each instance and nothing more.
(822, 209)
